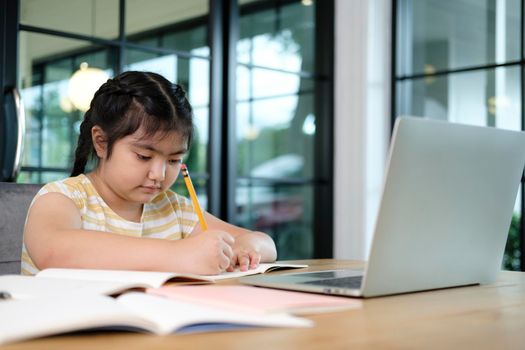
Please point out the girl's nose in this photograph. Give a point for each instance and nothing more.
(157, 171)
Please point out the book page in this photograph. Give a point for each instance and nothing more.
(151, 279)
(25, 319)
(172, 315)
(262, 268)
(154, 279)
(26, 287)
(31, 318)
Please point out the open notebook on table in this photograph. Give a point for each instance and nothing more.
(25, 319)
(109, 282)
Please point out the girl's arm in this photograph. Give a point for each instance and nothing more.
(250, 247)
(54, 238)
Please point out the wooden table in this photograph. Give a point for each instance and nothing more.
(476, 317)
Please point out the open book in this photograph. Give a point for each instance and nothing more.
(255, 300)
(109, 282)
(24, 319)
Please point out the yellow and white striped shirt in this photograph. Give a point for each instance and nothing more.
(167, 216)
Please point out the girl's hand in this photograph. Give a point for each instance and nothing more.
(245, 253)
(210, 252)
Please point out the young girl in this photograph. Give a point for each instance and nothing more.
(123, 215)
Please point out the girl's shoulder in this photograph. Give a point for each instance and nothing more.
(77, 188)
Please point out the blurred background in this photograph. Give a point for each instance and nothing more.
(293, 99)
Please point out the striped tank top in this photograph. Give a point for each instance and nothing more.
(167, 216)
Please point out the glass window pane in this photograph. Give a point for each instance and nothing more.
(255, 83)
(38, 177)
(28, 177)
(165, 65)
(436, 35)
(192, 74)
(166, 16)
(197, 155)
(486, 97)
(97, 18)
(40, 48)
(275, 137)
(53, 113)
(284, 212)
(280, 37)
(193, 40)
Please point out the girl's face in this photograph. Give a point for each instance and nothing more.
(141, 167)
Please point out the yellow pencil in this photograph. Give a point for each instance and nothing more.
(193, 196)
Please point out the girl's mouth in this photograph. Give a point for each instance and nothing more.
(151, 189)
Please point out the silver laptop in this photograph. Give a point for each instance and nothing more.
(447, 204)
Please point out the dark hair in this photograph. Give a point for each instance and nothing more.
(128, 102)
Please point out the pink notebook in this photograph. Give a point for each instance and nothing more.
(255, 299)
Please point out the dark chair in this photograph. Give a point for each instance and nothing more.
(14, 202)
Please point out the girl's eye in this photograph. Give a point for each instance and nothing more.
(175, 161)
(141, 157)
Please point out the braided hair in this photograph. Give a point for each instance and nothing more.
(130, 101)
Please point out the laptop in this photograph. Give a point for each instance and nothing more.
(446, 207)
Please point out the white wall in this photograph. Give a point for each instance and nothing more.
(362, 120)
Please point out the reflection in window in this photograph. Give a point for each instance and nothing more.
(269, 128)
(438, 35)
(163, 65)
(482, 97)
(279, 38)
(284, 212)
(51, 117)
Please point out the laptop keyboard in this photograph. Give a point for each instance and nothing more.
(343, 282)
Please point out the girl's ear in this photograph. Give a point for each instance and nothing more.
(98, 136)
